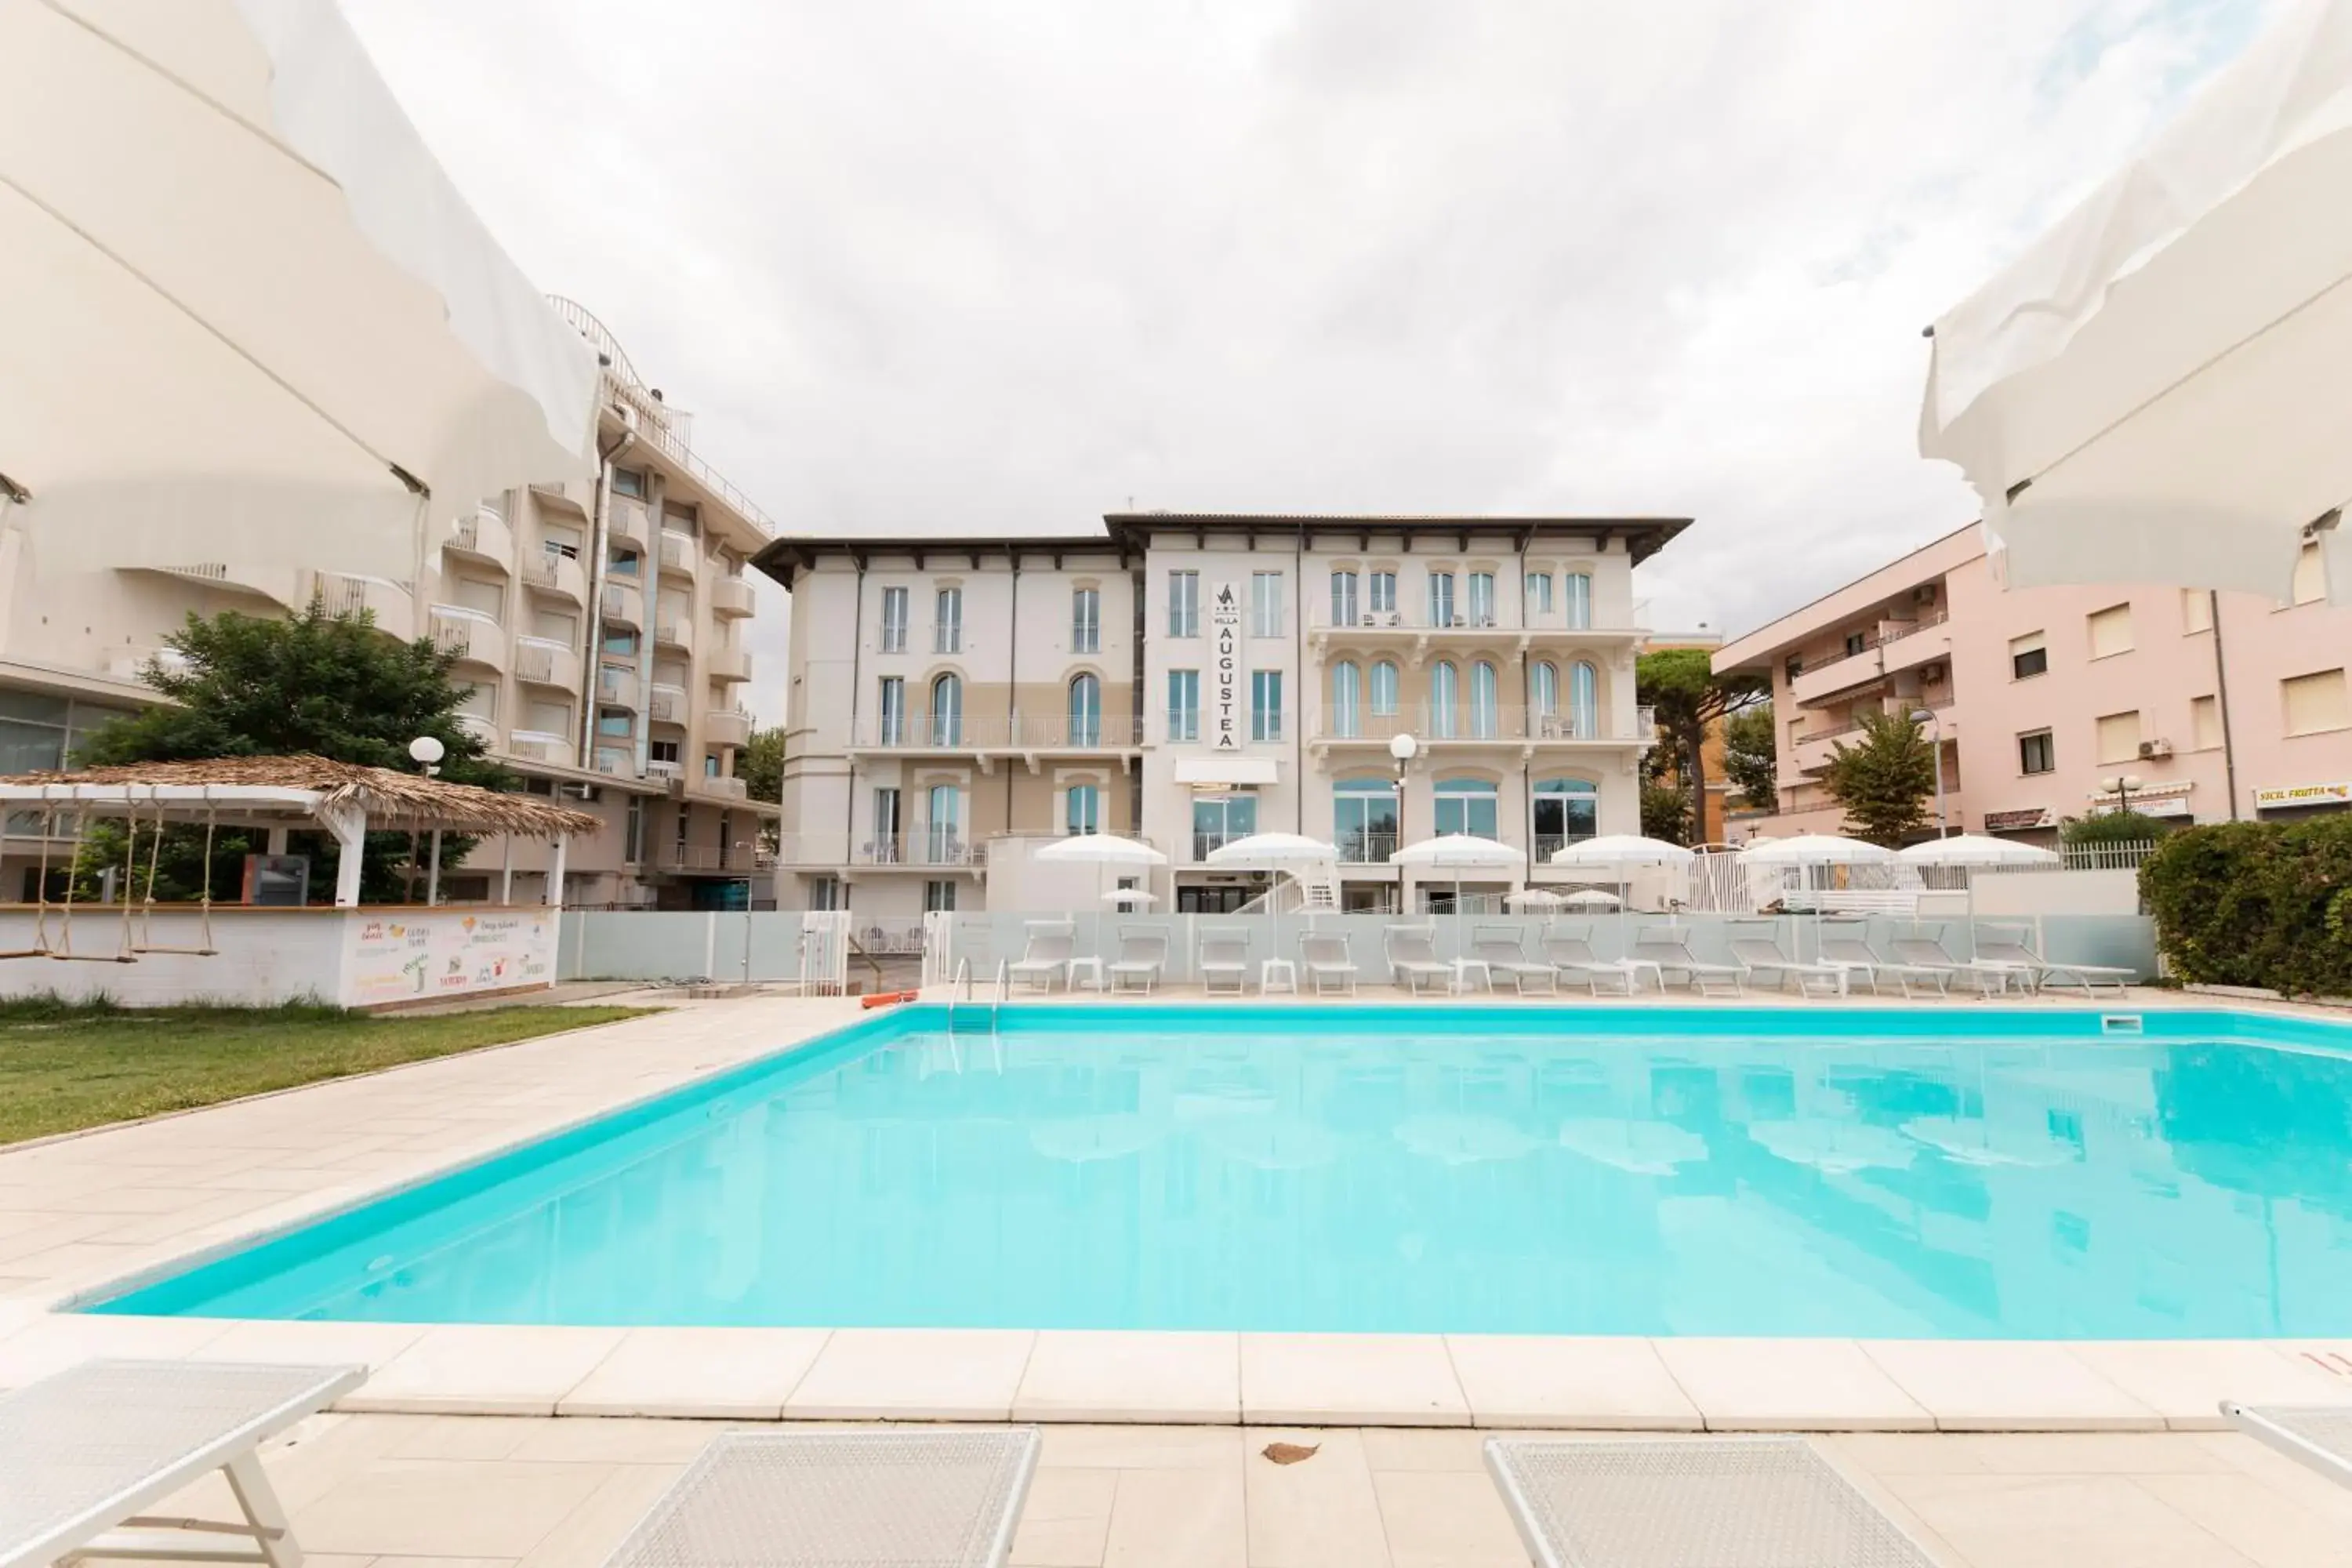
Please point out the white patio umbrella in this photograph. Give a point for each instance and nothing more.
(1271, 849)
(1618, 856)
(1591, 898)
(1971, 852)
(244, 317)
(1102, 849)
(2145, 394)
(1806, 850)
(1535, 898)
(1457, 853)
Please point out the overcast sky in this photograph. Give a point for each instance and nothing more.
(954, 266)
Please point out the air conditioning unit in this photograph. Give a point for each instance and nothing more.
(2156, 747)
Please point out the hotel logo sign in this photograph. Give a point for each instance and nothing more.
(1225, 697)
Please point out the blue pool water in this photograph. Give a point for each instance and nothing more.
(1898, 1172)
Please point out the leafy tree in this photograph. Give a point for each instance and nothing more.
(1688, 695)
(1751, 756)
(2112, 827)
(760, 765)
(1666, 813)
(329, 686)
(1884, 781)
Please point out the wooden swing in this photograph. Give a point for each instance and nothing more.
(64, 951)
(40, 948)
(145, 942)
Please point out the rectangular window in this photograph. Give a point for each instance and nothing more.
(1382, 596)
(1482, 598)
(551, 718)
(947, 621)
(2204, 723)
(892, 712)
(824, 893)
(2310, 575)
(2111, 631)
(1265, 705)
(2035, 754)
(620, 724)
(2315, 702)
(1576, 593)
(633, 841)
(661, 750)
(1266, 604)
(2196, 611)
(1441, 598)
(894, 620)
(2028, 657)
(1343, 598)
(1539, 593)
(2118, 737)
(559, 543)
(1183, 705)
(1183, 604)
(1856, 642)
(629, 482)
(1082, 809)
(886, 825)
(938, 897)
(1085, 620)
(624, 563)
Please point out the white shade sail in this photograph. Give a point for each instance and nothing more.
(1621, 851)
(1815, 850)
(1100, 849)
(1271, 850)
(1460, 852)
(2151, 391)
(1977, 849)
(244, 314)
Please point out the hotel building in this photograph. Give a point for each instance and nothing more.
(2220, 706)
(1191, 679)
(599, 635)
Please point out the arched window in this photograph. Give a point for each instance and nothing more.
(1347, 696)
(1484, 716)
(1445, 698)
(1384, 689)
(1466, 805)
(1576, 598)
(1567, 811)
(1584, 702)
(1543, 690)
(947, 710)
(1082, 809)
(1086, 710)
(1364, 820)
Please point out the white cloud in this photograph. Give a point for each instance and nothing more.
(926, 267)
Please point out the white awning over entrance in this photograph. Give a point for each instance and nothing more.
(1225, 770)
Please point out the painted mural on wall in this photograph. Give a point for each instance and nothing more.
(411, 957)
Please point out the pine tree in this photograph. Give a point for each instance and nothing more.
(1751, 757)
(1885, 780)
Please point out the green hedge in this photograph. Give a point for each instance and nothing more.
(2256, 903)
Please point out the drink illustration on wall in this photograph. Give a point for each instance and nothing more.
(1225, 619)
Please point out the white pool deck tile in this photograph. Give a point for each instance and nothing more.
(914, 1374)
(724, 1373)
(1536, 1381)
(1120, 1375)
(485, 1369)
(1374, 1380)
(1791, 1385)
(1981, 1387)
(2184, 1381)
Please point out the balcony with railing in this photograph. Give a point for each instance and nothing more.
(731, 598)
(946, 636)
(941, 848)
(625, 521)
(482, 535)
(1889, 646)
(727, 664)
(1418, 621)
(719, 787)
(674, 629)
(1470, 724)
(740, 858)
(617, 761)
(616, 688)
(482, 727)
(538, 746)
(1366, 848)
(543, 661)
(551, 573)
(347, 593)
(473, 637)
(666, 704)
(665, 771)
(727, 727)
(279, 584)
(679, 552)
(919, 731)
(624, 606)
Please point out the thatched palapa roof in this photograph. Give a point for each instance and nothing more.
(391, 798)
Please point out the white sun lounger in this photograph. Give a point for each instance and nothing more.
(1925, 952)
(1760, 955)
(1499, 948)
(85, 1453)
(1570, 956)
(1669, 948)
(1048, 956)
(2319, 1435)
(1325, 954)
(1411, 952)
(1142, 956)
(2013, 952)
(947, 1498)
(1725, 1502)
(1224, 961)
(1852, 954)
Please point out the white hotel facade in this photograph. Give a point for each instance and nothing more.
(1188, 678)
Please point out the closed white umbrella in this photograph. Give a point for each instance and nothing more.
(2146, 393)
(244, 317)
(1971, 850)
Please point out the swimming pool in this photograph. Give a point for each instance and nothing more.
(1972, 1174)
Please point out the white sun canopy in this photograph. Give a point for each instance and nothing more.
(239, 301)
(2153, 391)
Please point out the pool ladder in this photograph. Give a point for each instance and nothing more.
(959, 989)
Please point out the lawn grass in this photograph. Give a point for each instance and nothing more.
(65, 1065)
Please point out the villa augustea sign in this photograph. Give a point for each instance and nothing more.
(1225, 696)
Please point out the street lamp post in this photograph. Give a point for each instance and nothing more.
(1402, 747)
(427, 752)
(2121, 787)
(1929, 716)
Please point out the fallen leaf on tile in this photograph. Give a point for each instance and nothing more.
(1291, 1453)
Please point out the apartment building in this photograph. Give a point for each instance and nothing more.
(1191, 678)
(2208, 707)
(599, 635)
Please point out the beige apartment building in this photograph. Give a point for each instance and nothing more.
(599, 633)
(2208, 707)
(1191, 679)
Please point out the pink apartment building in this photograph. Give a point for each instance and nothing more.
(2220, 706)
